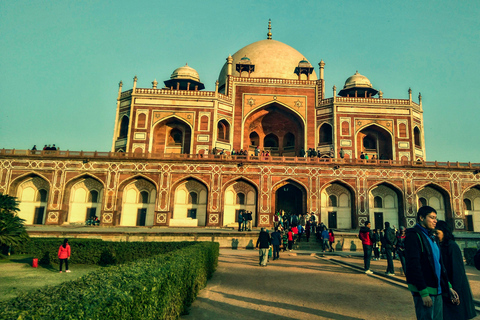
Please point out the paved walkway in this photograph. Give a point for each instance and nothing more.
(296, 287)
(304, 285)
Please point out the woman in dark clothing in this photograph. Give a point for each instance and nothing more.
(453, 261)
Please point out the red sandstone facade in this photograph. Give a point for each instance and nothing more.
(161, 171)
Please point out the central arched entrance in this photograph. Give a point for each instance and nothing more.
(276, 129)
(290, 198)
(375, 141)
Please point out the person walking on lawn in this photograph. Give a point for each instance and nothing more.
(64, 255)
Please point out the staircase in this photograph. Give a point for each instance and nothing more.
(312, 245)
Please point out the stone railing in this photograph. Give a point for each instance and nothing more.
(369, 100)
(168, 92)
(336, 162)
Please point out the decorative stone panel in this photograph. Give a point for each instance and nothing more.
(161, 218)
(213, 218)
(264, 219)
(361, 221)
(52, 217)
(107, 217)
(459, 224)
(411, 222)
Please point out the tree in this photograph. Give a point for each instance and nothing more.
(12, 228)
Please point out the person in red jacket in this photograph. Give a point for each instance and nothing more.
(366, 236)
(64, 255)
(331, 239)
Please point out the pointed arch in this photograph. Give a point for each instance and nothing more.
(223, 130)
(231, 189)
(123, 128)
(325, 134)
(184, 208)
(392, 212)
(171, 134)
(417, 137)
(443, 213)
(12, 190)
(77, 198)
(345, 210)
(375, 139)
(264, 120)
(471, 207)
(289, 195)
(32, 192)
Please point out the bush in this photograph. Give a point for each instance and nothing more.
(94, 251)
(160, 287)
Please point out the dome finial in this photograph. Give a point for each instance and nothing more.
(269, 34)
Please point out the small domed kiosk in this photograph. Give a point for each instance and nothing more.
(184, 78)
(358, 86)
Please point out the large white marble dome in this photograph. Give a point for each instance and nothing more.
(272, 59)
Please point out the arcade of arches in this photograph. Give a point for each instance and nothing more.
(148, 199)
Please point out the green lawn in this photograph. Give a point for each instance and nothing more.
(17, 275)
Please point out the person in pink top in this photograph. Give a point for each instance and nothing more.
(64, 255)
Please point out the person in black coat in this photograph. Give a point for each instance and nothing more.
(426, 275)
(263, 243)
(453, 262)
(276, 239)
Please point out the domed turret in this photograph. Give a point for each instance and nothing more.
(358, 86)
(184, 78)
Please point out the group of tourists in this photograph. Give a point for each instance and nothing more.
(432, 263)
(244, 220)
(46, 147)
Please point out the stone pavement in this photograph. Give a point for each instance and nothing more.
(296, 287)
(304, 285)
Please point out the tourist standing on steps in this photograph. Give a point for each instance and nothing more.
(290, 239)
(276, 239)
(249, 220)
(366, 236)
(427, 278)
(453, 261)
(390, 242)
(240, 220)
(64, 255)
(263, 243)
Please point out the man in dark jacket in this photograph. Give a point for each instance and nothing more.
(426, 275)
(264, 242)
(276, 239)
(240, 220)
(390, 242)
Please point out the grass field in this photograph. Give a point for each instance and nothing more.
(17, 275)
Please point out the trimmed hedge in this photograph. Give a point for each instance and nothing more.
(95, 251)
(161, 287)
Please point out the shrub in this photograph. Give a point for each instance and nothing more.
(94, 251)
(160, 287)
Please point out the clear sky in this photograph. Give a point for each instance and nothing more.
(61, 61)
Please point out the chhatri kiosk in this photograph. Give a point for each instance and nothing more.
(163, 170)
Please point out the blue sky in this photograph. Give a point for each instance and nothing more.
(61, 61)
